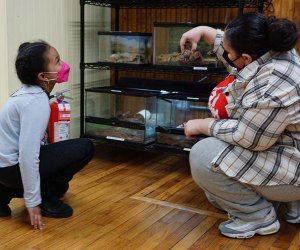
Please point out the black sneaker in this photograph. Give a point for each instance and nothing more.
(55, 208)
(5, 210)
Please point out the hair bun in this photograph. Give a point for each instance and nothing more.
(282, 34)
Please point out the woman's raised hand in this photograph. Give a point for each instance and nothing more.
(194, 35)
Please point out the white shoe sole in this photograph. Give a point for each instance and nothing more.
(271, 229)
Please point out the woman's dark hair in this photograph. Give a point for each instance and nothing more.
(31, 60)
(255, 34)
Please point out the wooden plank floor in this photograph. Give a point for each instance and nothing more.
(135, 200)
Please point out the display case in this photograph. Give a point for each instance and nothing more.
(175, 109)
(174, 139)
(125, 47)
(166, 49)
(122, 114)
(114, 114)
(175, 112)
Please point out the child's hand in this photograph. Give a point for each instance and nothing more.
(36, 217)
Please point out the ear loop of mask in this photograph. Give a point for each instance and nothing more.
(53, 79)
(48, 80)
(62, 74)
(228, 60)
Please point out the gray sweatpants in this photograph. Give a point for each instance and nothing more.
(247, 202)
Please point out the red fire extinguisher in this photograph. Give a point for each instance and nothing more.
(60, 117)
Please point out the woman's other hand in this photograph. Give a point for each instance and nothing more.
(197, 127)
(36, 217)
(194, 35)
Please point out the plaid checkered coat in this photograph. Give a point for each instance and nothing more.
(263, 128)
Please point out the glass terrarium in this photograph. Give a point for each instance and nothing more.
(174, 110)
(121, 114)
(167, 50)
(125, 47)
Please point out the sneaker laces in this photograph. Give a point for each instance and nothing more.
(230, 217)
(235, 219)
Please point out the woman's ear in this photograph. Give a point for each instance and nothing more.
(247, 59)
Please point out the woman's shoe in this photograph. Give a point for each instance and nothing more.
(55, 208)
(237, 228)
(5, 210)
(293, 212)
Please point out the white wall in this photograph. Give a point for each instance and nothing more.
(3, 54)
(58, 23)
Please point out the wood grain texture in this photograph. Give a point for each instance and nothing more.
(135, 200)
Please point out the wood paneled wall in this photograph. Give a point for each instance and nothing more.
(288, 9)
(141, 20)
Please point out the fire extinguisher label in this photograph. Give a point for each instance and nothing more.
(64, 106)
(61, 131)
(64, 116)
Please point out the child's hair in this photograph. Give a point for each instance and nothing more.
(255, 34)
(31, 60)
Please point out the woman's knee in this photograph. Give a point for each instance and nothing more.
(200, 174)
(201, 156)
(199, 163)
(204, 151)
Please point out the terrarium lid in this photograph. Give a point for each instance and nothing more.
(120, 90)
(124, 33)
(187, 24)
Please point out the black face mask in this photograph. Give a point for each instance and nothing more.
(230, 62)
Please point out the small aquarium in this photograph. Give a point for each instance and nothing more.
(121, 114)
(167, 51)
(174, 139)
(124, 47)
(174, 111)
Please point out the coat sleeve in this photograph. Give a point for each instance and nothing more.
(257, 129)
(33, 122)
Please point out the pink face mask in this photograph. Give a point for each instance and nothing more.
(62, 74)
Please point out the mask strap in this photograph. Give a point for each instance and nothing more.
(53, 79)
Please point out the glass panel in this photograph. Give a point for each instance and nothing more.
(119, 47)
